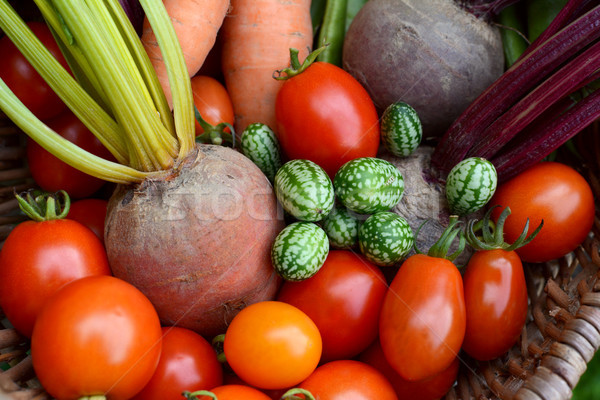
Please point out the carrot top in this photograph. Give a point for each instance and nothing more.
(115, 92)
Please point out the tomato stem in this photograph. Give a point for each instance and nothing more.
(492, 236)
(43, 206)
(291, 394)
(194, 395)
(217, 344)
(441, 248)
(295, 66)
(214, 134)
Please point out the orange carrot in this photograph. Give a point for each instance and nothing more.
(196, 24)
(257, 36)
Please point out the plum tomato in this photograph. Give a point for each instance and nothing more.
(97, 335)
(496, 303)
(552, 192)
(423, 318)
(325, 115)
(343, 299)
(272, 345)
(212, 101)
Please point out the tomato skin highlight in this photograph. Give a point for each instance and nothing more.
(96, 335)
(324, 115)
(52, 174)
(343, 299)
(496, 303)
(552, 192)
(423, 319)
(348, 379)
(25, 82)
(272, 345)
(187, 362)
(38, 258)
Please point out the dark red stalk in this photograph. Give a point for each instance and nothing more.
(562, 82)
(548, 137)
(518, 80)
(486, 8)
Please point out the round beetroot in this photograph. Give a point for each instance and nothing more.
(432, 55)
(197, 242)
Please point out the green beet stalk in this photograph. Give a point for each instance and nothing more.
(512, 28)
(332, 32)
(540, 13)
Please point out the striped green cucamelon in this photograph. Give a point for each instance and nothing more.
(385, 238)
(341, 226)
(304, 190)
(367, 185)
(259, 144)
(470, 185)
(299, 251)
(401, 129)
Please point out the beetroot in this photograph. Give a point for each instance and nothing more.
(197, 241)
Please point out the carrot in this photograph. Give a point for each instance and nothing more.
(257, 36)
(196, 24)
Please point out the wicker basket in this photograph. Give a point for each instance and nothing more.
(560, 338)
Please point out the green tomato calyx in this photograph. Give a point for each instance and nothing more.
(441, 248)
(295, 66)
(43, 206)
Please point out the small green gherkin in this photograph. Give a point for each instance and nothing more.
(367, 185)
(304, 190)
(385, 238)
(299, 251)
(259, 144)
(470, 185)
(401, 129)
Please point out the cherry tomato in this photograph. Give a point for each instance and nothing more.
(98, 335)
(272, 345)
(348, 379)
(496, 303)
(38, 258)
(324, 115)
(187, 362)
(552, 192)
(23, 79)
(432, 388)
(343, 299)
(212, 101)
(236, 392)
(91, 213)
(422, 321)
(52, 174)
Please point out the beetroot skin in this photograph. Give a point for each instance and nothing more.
(197, 242)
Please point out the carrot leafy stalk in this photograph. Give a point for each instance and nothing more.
(515, 108)
(116, 94)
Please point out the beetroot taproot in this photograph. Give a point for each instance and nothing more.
(197, 242)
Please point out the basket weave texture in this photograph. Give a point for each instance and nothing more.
(561, 336)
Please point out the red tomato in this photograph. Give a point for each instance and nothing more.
(272, 345)
(212, 101)
(98, 335)
(236, 392)
(496, 303)
(348, 379)
(554, 193)
(432, 388)
(24, 80)
(91, 213)
(326, 116)
(346, 310)
(38, 258)
(187, 362)
(52, 174)
(422, 321)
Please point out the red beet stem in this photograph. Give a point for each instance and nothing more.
(565, 80)
(518, 80)
(548, 137)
